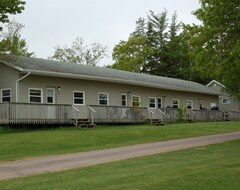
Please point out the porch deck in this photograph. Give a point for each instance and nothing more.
(25, 113)
(28, 113)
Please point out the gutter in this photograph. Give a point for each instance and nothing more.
(119, 81)
(17, 83)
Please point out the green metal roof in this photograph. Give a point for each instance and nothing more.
(70, 70)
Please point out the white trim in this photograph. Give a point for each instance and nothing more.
(201, 102)
(191, 102)
(78, 98)
(2, 94)
(176, 100)
(216, 82)
(137, 97)
(155, 103)
(29, 89)
(107, 98)
(54, 95)
(126, 100)
(226, 98)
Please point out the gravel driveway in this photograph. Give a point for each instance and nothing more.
(21, 168)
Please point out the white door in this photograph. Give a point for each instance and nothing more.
(50, 99)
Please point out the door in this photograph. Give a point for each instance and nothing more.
(51, 99)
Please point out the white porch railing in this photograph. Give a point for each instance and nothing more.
(26, 113)
(76, 115)
(118, 114)
(92, 112)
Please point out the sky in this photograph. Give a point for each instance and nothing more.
(49, 23)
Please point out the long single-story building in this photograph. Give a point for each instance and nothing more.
(91, 90)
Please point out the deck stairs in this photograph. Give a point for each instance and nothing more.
(226, 116)
(84, 123)
(156, 122)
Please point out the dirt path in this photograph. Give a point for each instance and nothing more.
(21, 168)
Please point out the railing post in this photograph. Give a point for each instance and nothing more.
(161, 112)
(92, 112)
(77, 110)
(151, 113)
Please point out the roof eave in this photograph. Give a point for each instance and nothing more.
(13, 66)
(120, 81)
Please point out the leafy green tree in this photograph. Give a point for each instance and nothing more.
(10, 7)
(79, 53)
(216, 42)
(11, 42)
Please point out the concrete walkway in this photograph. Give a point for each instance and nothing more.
(21, 168)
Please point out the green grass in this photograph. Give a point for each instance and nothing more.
(25, 144)
(209, 168)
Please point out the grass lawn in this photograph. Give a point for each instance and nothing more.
(24, 144)
(209, 168)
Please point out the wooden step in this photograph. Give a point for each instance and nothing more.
(87, 125)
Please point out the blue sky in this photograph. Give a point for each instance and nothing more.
(49, 23)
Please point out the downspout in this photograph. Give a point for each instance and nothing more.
(17, 83)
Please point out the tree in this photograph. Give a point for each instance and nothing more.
(11, 42)
(79, 53)
(10, 7)
(154, 48)
(216, 42)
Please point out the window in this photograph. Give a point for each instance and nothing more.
(102, 98)
(35, 95)
(159, 102)
(124, 99)
(152, 102)
(136, 101)
(78, 98)
(189, 104)
(50, 95)
(6, 95)
(201, 104)
(175, 103)
(226, 101)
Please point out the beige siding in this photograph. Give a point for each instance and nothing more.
(8, 78)
(234, 101)
(92, 88)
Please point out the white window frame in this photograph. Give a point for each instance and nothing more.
(126, 99)
(201, 103)
(138, 102)
(175, 104)
(29, 97)
(4, 89)
(191, 104)
(228, 102)
(83, 98)
(54, 95)
(213, 104)
(103, 93)
(160, 98)
(155, 102)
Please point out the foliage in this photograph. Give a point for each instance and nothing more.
(210, 167)
(181, 112)
(216, 42)
(135, 54)
(35, 143)
(10, 7)
(11, 42)
(79, 53)
(157, 47)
